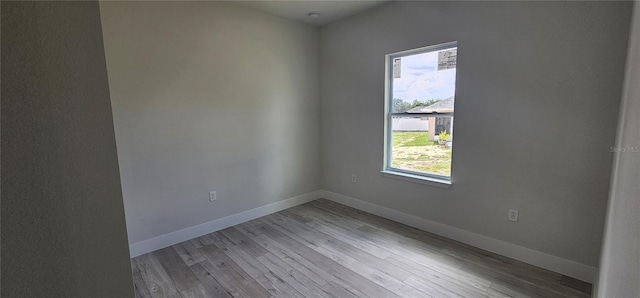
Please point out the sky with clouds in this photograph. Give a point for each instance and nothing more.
(420, 79)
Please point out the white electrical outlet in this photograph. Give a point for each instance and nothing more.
(513, 215)
(354, 179)
(212, 196)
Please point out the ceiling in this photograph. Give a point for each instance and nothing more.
(330, 10)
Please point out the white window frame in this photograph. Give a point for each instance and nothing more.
(388, 169)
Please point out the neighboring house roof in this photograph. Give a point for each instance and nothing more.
(443, 106)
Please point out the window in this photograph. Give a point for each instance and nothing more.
(420, 95)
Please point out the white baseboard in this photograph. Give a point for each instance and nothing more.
(162, 241)
(550, 262)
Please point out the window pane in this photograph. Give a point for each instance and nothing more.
(423, 79)
(416, 144)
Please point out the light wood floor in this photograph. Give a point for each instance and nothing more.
(324, 249)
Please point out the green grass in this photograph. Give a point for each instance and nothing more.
(413, 151)
(410, 138)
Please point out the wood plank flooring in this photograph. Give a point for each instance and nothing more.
(324, 249)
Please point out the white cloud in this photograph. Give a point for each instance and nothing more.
(420, 80)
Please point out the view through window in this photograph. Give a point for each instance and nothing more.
(420, 107)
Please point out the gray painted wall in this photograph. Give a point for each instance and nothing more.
(543, 78)
(62, 214)
(620, 263)
(209, 96)
(0, 153)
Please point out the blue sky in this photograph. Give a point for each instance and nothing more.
(421, 80)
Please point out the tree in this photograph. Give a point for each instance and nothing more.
(400, 106)
(417, 103)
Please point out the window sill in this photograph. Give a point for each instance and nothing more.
(418, 179)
